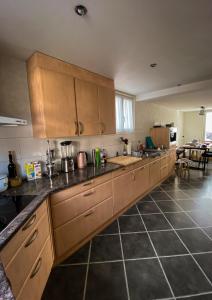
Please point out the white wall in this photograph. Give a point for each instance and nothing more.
(14, 101)
(146, 114)
(194, 126)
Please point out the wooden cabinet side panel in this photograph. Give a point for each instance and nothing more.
(36, 102)
(107, 110)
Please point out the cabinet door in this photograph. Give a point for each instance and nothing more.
(87, 107)
(58, 104)
(154, 173)
(141, 181)
(122, 191)
(107, 110)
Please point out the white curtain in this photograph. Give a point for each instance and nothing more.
(124, 114)
(128, 114)
(119, 113)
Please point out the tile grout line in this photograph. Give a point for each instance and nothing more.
(124, 266)
(186, 212)
(194, 295)
(169, 285)
(184, 245)
(87, 269)
(131, 259)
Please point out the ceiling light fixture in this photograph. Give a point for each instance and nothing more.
(202, 111)
(81, 10)
(153, 65)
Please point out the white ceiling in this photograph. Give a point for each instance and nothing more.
(189, 101)
(118, 38)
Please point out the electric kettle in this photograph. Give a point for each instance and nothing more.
(82, 159)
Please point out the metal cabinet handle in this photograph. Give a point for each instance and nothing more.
(76, 127)
(88, 214)
(29, 223)
(37, 268)
(88, 183)
(32, 238)
(102, 127)
(81, 128)
(89, 194)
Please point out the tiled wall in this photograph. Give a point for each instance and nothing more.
(14, 101)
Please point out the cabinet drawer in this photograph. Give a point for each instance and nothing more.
(36, 281)
(77, 189)
(73, 207)
(122, 171)
(11, 248)
(25, 257)
(70, 234)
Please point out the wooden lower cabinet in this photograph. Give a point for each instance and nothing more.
(164, 171)
(74, 206)
(141, 181)
(27, 255)
(122, 191)
(154, 172)
(70, 234)
(36, 281)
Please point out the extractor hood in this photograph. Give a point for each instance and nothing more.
(5, 121)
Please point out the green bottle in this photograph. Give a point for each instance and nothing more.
(98, 158)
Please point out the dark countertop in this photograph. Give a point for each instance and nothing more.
(5, 290)
(39, 189)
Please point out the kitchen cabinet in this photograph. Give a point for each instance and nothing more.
(74, 206)
(53, 104)
(106, 99)
(36, 280)
(122, 191)
(87, 107)
(72, 233)
(141, 182)
(154, 172)
(28, 257)
(67, 100)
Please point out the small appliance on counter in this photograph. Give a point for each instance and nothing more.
(50, 165)
(82, 158)
(67, 161)
(3, 182)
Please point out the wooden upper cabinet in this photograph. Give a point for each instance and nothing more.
(106, 98)
(53, 104)
(87, 107)
(67, 100)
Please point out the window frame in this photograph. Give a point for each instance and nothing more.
(132, 98)
(209, 111)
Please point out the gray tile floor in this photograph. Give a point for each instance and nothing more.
(161, 248)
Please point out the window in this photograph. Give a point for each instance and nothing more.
(124, 112)
(208, 126)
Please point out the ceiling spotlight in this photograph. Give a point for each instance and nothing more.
(153, 65)
(81, 10)
(202, 111)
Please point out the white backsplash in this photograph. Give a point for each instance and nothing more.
(32, 149)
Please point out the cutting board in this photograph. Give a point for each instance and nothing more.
(124, 160)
